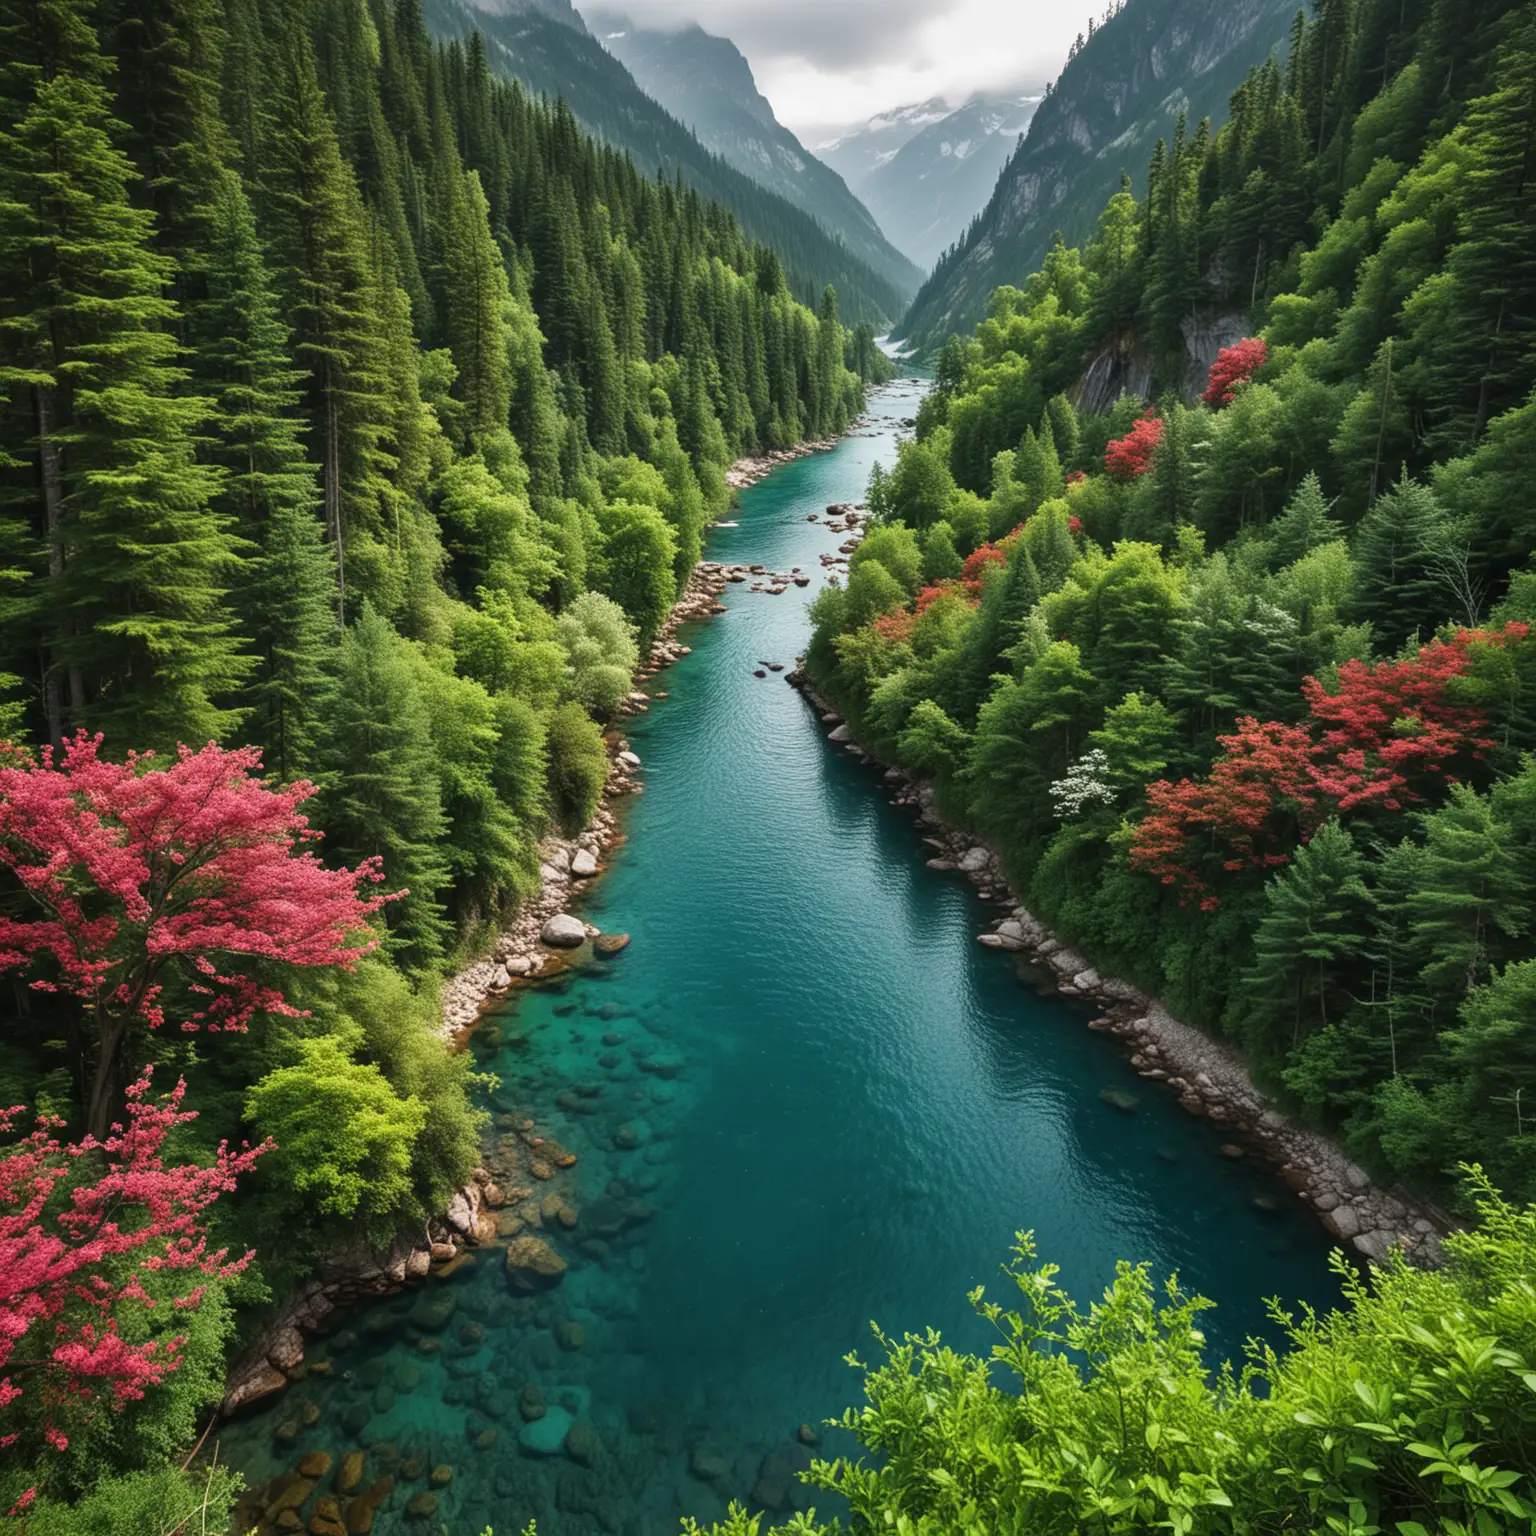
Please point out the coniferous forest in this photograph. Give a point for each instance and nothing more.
(359, 409)
(361, 421)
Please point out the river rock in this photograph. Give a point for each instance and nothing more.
(1118, 1098)
(519, 965)
(840, 734)
(265, 1381)
(349, 1477)
(629, 760)
(1344, 1222)
(777, 1480)
(581, 1443)
(546, 1436)
(584, 865)
(434, 1310)
(532, 1265)
(611, 943)
(564, 932)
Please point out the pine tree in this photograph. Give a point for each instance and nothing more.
(286, 590)
(382, 796)
(1313, 920)
(128, 603)
(475, 312)
(1305, 525)
(1470, 897)
(1399, 551)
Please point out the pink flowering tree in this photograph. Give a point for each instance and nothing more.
(102, 1248)
(128, 876)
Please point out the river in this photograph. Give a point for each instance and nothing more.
(836, 1107)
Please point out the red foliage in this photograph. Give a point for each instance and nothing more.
(896, 626)
(1074, 526)
(1390, 730)
(1233, 366)
(126, 871)
(930, 595)
(976, 564)
(67, 1274)
(1076, 477)
(1130, 456)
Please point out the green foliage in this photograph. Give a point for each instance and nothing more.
(601, 654)
(342, 1135)
(578, 766)
(1409, 1410)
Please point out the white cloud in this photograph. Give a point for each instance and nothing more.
(828, 62)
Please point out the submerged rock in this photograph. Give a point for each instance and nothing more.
(532, 1265)
(546, 1436)
(1119, 1099)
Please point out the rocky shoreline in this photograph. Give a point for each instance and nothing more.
(1209, 1078)
(749, 471)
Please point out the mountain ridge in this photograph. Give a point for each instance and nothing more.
(1126, 87)
(706, 82)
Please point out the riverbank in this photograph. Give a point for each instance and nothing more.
(1209, 1078)
(275, 1358)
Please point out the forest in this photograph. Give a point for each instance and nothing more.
(360, 422)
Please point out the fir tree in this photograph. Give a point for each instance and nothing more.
(128, 604)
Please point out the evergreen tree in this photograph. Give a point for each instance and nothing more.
(127, 596)
(285, 592)
(1305, 525)
(382, 796)
(1310, 929)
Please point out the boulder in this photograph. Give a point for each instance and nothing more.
(584, 865)
(840, 734)
(611, 943)
(1118, 1098)
(1344, 1222)
(532, 1265)
(263, 1382)
(434, 1310)
(629, 760)
(286, 1348)
(581, 1443)
(546, 1436)
(564, 932)
(519, 965)
(975, 860)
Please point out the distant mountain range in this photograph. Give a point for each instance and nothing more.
(1127, 86)
(547, 46)
(925, 171)
(706, 83)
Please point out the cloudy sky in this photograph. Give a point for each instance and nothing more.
(834, 62)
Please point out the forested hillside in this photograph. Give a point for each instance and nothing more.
(1243, 692)
(1124, 85)
(1243, 688)
(359, 419)
(874, 282)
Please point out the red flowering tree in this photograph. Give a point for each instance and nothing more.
(130, 875)
(89, 1232)
(896, 626)
(1388, 732)
(931, 595)
(1234, 365)
(976, 564)
(1131, 456)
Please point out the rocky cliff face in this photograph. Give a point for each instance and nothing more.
(1114, 99)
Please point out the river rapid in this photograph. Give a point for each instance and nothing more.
(803, 1099)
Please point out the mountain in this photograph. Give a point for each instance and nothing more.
(1126, 87)
(545, 45)
(857, 151)
(927, 192)
(706, 82)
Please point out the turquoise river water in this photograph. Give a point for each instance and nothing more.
(834, 1107)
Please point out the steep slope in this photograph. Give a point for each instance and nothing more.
(1127, 86)
(707, 83)
(858, 150)
(554, 58)
(926, 194)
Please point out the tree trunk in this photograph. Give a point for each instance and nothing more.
(53, 522)
(106, 1090)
